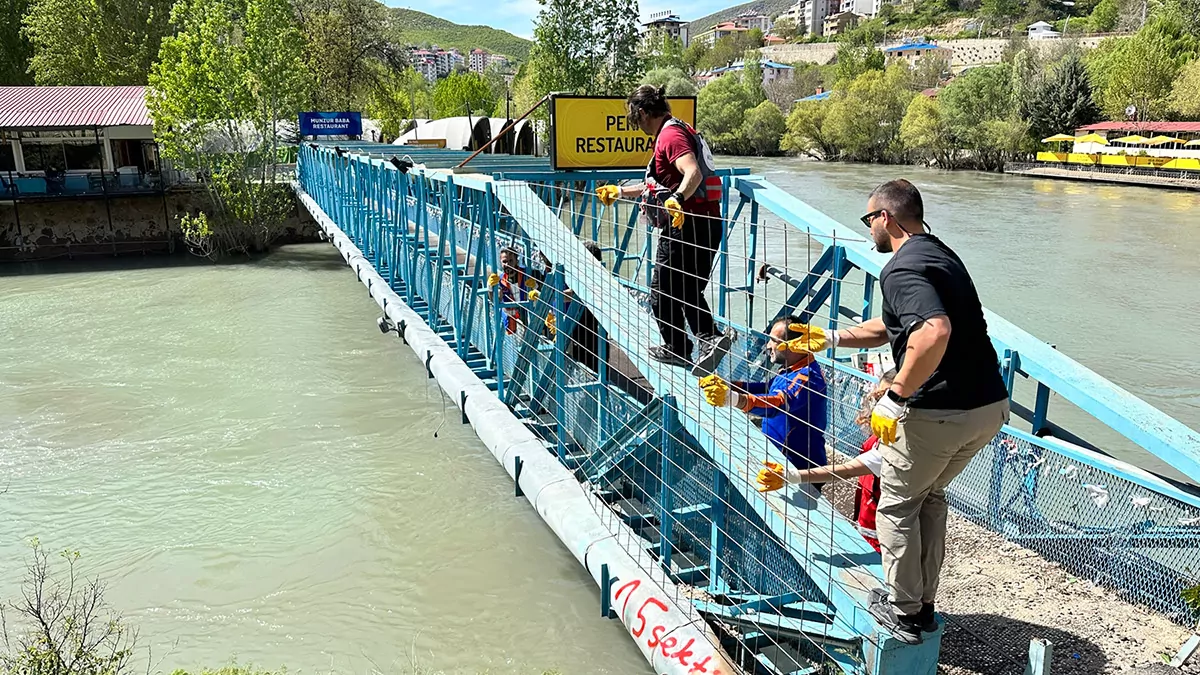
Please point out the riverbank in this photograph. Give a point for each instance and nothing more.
(87, 226)
(1153, 178)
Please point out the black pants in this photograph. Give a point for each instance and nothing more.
(682, 265)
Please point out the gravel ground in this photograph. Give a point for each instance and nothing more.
(996, 596)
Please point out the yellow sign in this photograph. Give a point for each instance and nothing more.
(590, 132)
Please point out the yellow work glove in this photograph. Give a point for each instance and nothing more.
(885, 419)
(607, 194)
(493, 280)
(718, 394)
(551, 327)
(812, 339)
(534, 295)
(771, 478)
(675, 209)
(715, 390)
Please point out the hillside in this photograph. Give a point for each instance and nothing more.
(771, 8)
(408, 26)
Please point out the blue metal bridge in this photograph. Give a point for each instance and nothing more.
(776, 582)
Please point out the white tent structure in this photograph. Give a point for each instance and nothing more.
(460, 133)
(504, 144)
(524, 139)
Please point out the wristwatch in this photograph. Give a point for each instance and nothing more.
(902, 400)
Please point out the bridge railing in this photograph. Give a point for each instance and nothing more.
(785, 578)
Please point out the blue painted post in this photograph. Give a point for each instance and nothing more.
(835, 295)
(559, 287)
(751, 263)
(670, 427)
(1010, 364)
(603, 395)
(716, 542)
(1041, 408)
(868, 303)
(606, 584)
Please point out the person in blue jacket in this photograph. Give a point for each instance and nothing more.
(793, 406)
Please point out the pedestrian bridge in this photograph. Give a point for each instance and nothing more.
(652, 489)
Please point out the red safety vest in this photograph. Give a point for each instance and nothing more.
(866, 500)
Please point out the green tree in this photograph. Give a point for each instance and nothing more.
(805, 79)
(104, 42)
(857, 53)
(720, 109)
(731, 48)
(618, 63)
(865, 122)
(786, 29)
(752, 77)
(397, 96)
(763, 128)
(1185, 93)
(463, 94)
(1104, 16)
(342, 39)
(1140, 70)
(925, 135)
(15, 50)
(1062, 99)
(806, 131)
(62, 624)
(1027, 78)
(589, 48)
(694, 56)
(562, 53)
(222, 86)
(930, 69)
(971, 103)
(661, 50)
(675, 80)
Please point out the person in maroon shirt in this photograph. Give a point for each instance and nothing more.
(675, 190)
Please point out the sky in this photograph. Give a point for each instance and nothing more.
(517, 16)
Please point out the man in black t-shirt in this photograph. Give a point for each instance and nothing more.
(947, 402)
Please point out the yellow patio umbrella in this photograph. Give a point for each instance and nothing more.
(1092, 138)
(1192, 144)
(1132, 140)
(1058, 138)
(1163, 140)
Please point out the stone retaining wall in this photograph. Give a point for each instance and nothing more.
(966, 52)
(142, 224)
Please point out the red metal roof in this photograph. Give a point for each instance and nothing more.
(1157, 127)
(72, 107)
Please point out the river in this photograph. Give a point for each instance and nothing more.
(253, 468)
(1110, 274)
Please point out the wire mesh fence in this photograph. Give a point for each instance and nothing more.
(563, 329)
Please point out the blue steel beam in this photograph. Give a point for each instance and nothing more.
(1150, 428)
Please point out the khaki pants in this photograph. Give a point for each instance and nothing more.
(933, 447)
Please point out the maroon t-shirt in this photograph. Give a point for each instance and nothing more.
(672, 143)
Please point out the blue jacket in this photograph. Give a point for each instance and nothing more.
(794, 408)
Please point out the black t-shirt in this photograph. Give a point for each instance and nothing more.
(925, 279)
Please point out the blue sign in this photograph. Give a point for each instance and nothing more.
(330, 124)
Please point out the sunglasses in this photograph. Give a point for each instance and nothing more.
(866, 220)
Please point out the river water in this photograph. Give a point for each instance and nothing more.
(252, 467)
(1109, 274)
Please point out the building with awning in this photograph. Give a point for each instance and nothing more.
(76, 140)
(1137, 145)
